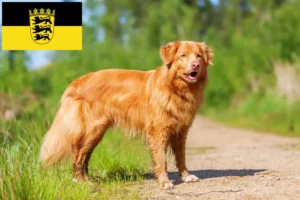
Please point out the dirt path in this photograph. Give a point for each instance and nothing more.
(235, 164)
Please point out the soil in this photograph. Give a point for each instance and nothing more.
(234, 163)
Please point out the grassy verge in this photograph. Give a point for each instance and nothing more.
(267, 114)
(117, 162)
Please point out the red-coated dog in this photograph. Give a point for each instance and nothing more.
(160, 104)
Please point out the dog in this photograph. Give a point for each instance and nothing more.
(158, 104)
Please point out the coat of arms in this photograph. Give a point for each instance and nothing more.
(41, 25)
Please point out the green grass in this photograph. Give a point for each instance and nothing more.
(260, 123)
(117, 163)
(264, 114)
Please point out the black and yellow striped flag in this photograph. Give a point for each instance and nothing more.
(41, 26)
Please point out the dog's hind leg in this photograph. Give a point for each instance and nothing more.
(77, 168)
(84, 148)
(91, 141)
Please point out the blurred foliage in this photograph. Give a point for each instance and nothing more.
(246, 36)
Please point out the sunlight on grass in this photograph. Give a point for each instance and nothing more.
(264, 114)
(116, 162)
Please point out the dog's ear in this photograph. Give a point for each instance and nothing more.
(207, 53)
(168, 52)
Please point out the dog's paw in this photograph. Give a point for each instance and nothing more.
(75, 180)
(166, 185)
(89, 181)
(190, 178)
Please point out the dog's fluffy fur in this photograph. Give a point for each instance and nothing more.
(159, 104)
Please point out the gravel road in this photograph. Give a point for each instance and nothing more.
(234, 163)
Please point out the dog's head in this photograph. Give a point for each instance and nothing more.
(187, 59)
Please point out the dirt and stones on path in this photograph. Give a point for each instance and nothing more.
(234, 163)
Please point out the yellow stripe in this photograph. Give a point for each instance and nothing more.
(64, 38)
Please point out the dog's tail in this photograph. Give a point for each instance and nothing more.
(66, 127)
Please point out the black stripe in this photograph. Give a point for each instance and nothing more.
(17, 13)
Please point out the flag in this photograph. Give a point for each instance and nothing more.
(41, 26)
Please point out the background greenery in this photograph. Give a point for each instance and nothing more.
(256, 48)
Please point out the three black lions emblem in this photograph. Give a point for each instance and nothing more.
(42, 25)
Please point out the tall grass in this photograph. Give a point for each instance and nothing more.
(116, 162)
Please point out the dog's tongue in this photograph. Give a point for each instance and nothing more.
(192, 77)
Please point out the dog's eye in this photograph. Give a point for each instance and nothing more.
(199, 55)
(182, 56)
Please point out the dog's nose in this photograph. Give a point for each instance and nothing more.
(195, 65)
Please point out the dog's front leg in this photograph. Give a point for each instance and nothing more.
(177, 144)
(158, 145)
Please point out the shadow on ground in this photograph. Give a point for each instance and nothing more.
(211, 173)
(125, 175)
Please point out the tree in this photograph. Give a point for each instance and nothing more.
(11, 60)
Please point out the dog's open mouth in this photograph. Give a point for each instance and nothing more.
(191, 76)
